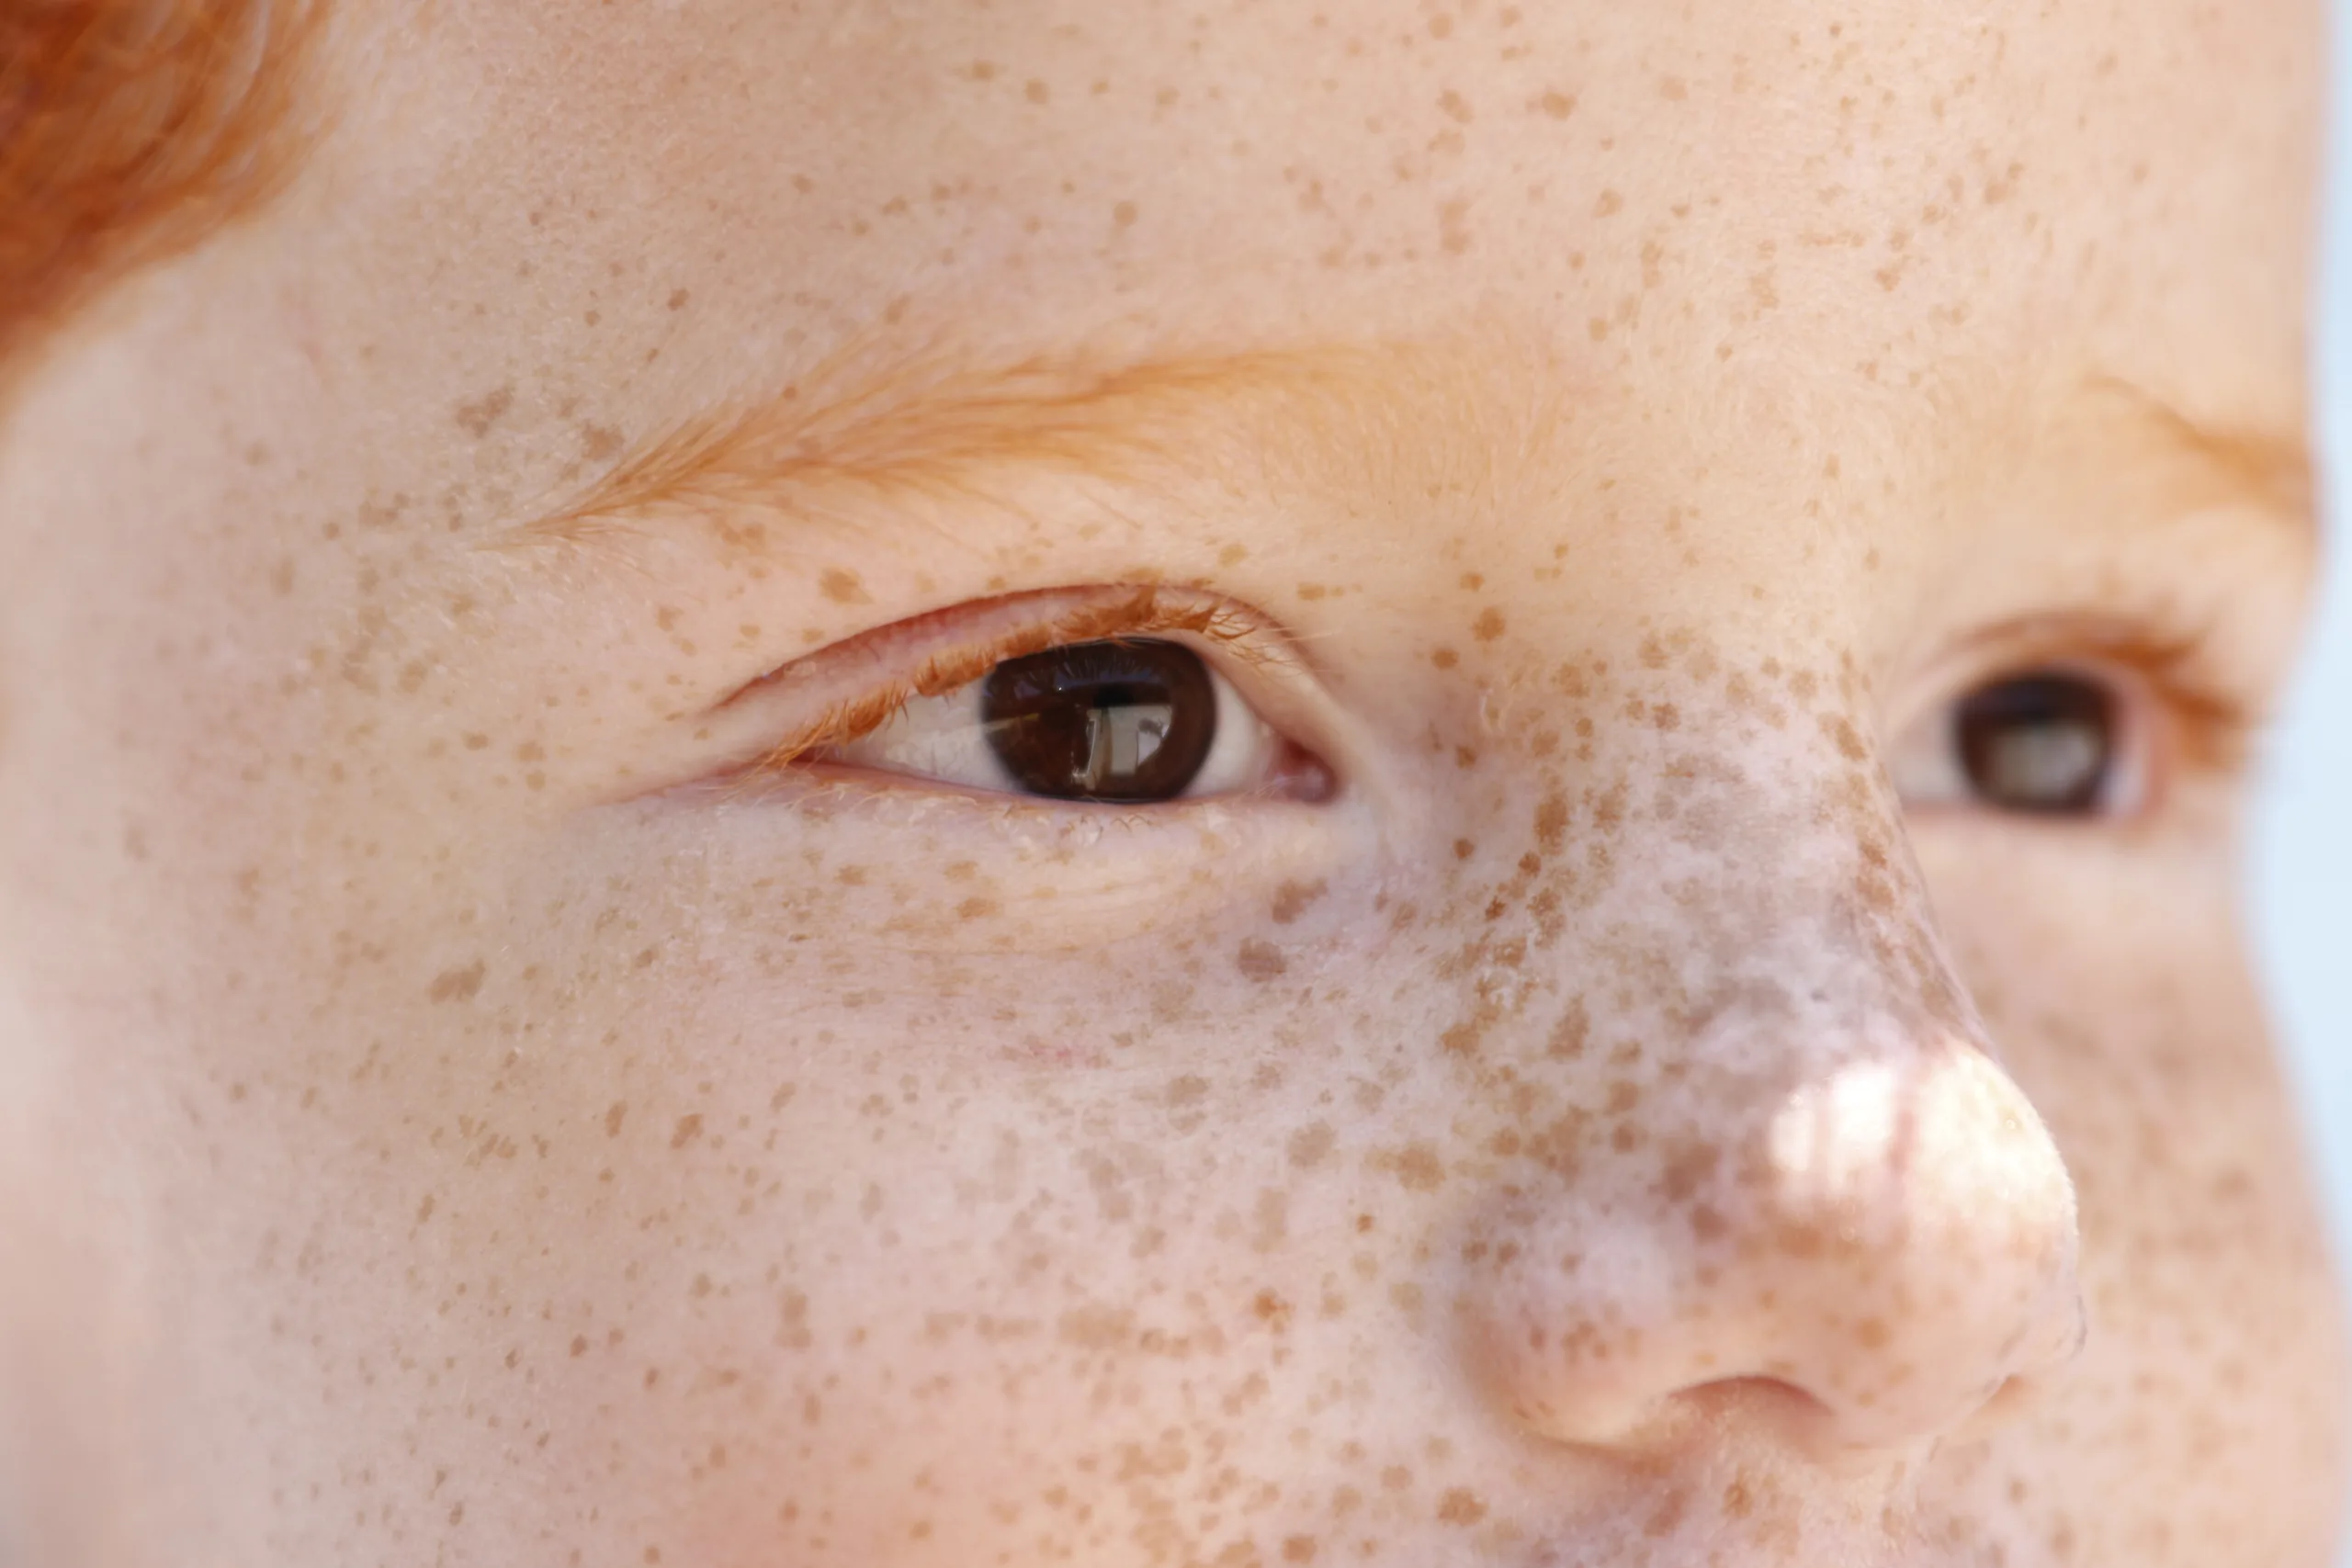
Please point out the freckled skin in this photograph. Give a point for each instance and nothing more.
(1615, 1127)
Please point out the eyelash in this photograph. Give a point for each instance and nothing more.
(1145, 612)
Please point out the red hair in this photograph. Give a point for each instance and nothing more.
(128, 130)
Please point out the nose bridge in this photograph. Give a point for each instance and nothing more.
(1797, 1163)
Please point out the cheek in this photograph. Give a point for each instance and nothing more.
(2205, 1421)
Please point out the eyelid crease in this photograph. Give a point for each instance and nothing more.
(1146, 612)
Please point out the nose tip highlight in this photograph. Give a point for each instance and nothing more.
(1928, 1199)
(1895, 1246)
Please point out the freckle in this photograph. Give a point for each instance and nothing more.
(688, 1130)
(1454, 107)
(1311, 590)
(1665, 716)
(613, 1116)
(1292, 898)
(1463, 849)
(1123, 214)
(1417, 1168)
(844, 587)
(1451, 236)
(1309, 1144)
(457, 985)
(1298, 1548)
(1558, 104)
(1608, 205)
(1461, 1506)
(1261, 960)
(976, 909)
(1569, 1034)
(476, 418)
(1490, 625)
(1396, 1478)
(598, 442)
(1036, 92)
(1552, 822)
(1445, 659)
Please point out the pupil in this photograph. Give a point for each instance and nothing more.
(1115, 720)
(2042, 743)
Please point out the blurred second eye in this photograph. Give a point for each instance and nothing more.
(2054, 742)
(1126, 720)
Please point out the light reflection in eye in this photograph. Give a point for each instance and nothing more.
(1128, 720)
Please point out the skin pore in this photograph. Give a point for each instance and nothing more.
(497, 1069)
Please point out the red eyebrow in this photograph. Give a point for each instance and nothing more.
(939, 422)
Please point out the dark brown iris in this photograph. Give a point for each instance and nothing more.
(2041, 742)
(1116, 720)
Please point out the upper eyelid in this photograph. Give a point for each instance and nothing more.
(2173, 655)
(855, 685)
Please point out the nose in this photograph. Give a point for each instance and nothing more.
(1831, 1210)
(1893, 1246)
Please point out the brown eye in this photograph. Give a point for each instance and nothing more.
(1120, 720)
(2045, 742)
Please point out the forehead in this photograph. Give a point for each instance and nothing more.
(1881, 185)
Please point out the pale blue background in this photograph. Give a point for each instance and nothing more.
(2302, 862)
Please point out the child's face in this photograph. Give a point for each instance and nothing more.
(1542, 1109)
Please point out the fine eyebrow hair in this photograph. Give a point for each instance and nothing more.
(936, 423)
(2212, 465)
